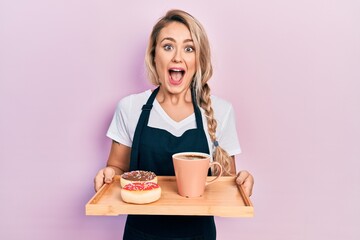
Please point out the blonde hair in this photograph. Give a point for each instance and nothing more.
(202, 75)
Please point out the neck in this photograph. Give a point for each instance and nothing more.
(177, 106)
(175, 99)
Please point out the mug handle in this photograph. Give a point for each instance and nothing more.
(217, 177)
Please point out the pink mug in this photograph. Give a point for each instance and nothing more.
(191, 169)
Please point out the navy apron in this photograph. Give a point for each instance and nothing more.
(152, 150)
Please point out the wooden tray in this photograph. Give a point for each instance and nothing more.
(222, 198)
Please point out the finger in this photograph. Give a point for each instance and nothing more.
(247, 188)
(109, 173)
(98, 184)
(249, 184)
(241, 177)
(99, 180)
(247, 181)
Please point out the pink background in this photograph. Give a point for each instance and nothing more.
(291, 69)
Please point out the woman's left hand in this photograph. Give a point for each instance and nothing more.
(245, 179)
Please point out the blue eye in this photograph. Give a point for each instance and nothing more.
(168, 47)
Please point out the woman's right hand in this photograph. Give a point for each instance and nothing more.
(105, 175)
(118, 163)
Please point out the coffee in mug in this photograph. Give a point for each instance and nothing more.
(191, 169)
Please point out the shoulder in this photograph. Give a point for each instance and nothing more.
(133, 101)
(221, 106)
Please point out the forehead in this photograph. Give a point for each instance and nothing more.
(177, 31)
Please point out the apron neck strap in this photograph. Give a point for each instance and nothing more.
(149, 104)
(199, 122)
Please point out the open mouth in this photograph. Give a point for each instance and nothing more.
(176, 74)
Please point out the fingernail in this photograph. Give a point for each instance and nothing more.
(107, 180)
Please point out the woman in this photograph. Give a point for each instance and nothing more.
(179, 115)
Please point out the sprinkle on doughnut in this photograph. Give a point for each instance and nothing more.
(139, 175)
(141, 186)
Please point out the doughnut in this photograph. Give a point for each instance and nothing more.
(141, 193)
(137, 176)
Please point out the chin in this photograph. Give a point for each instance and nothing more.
(176, 89)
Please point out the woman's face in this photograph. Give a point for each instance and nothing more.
(175, 58)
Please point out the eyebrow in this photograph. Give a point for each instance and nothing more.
(173, 40)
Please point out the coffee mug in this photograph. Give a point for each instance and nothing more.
(191, 170)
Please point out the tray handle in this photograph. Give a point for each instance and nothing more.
(242, 192)
(99, 193)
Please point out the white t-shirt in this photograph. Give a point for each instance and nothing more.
(127, 114)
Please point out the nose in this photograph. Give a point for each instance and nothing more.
(177, 56)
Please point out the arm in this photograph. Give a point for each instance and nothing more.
(228, 140)
(243, 178)
(118, 163)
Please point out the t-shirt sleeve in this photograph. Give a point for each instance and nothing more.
(228, 138)
(119, 129)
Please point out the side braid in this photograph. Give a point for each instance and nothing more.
(219, 155)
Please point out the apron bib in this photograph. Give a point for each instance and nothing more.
(152, 150)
